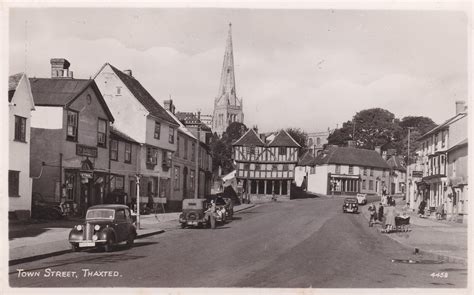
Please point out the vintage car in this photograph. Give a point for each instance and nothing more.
(105, 226)
(350, 205)
(202, 212)
(361, 199)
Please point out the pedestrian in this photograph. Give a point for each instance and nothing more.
(381, 215)
(421, 208)
(440, 211)
(390, 221)
(373, 213)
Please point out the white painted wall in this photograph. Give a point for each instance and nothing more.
(317, 182)
(129, 114)
(19, 152)
(300, 173)
(47, 117)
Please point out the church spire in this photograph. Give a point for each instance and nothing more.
(227, 93)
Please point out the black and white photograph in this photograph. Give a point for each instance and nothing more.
(234, 147)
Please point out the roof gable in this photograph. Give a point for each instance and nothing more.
(283, 139)
(307, 159)
(143, 96)
(351, 156)
(14, 82)
(63, 92)
(250, 138)
(117, 134)
(443, 126)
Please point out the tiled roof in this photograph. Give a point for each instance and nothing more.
(283, 139)
(56, 92)
(396, 163)
(443, 125)
(143, 96)
(189, 118)
(351, 156)
(307, 159)
(63, 92)
(13, 84)
(117, 134)
(250, 138)
(181, 127)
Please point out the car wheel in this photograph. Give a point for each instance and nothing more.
(74, 247)
(109, 245)
(130, 240)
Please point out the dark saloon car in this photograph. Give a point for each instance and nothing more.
(105, 226)
(350, 205)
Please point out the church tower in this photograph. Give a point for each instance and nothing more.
(227, 107)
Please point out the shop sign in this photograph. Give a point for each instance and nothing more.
(417, 174)
(87, 151)
(86, 175)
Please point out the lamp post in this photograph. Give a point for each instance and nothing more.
(407, 194)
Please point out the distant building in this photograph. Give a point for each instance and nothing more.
(20, 105)
(227, 106)
(397, 175)
(348, 171)
(444, 148)
(265, 168)
(184, 167)
(70, 132)
(317, 140)
(194, 124)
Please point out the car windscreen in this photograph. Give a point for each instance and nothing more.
(100, 214)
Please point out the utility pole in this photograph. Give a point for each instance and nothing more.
(408, 166)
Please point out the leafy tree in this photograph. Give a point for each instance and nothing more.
(378, 127)
(300, 137)
(221, 148)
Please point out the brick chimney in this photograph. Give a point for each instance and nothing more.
(60, 68)
(168, 104)
(460, 106)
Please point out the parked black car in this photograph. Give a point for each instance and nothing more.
(105, 226)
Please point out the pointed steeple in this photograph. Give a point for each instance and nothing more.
(227, 93)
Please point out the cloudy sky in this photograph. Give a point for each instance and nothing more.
(311, 69)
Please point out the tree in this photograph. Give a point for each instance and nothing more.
(221, 148)
(368, 129)
(300, 137)
(419, 125)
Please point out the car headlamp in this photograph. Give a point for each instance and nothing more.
(94, 237)
(79, 227)
(96, 227)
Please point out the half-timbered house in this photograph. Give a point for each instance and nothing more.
(265, 169)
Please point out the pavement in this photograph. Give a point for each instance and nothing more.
(446, 240)
(32, 241)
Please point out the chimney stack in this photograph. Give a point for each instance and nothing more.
(128, 72)
(60, 68)
(168, 104)
(460, 106)
(378, 149)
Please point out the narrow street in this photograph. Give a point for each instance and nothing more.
(307, 243)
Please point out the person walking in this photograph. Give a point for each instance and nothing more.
(440, 211)
(373, 213)
(390, 221)
(380, 215)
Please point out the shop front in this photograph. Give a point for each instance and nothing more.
(343, 184)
